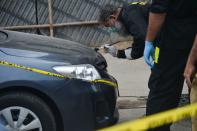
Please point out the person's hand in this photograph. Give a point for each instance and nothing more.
(189, 74)
(111, 50)
(149, 53)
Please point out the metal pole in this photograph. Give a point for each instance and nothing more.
(80, 23)
(50, 18)
(25, 27)
(77, 23)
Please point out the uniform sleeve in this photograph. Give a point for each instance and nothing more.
(137, 28)
(159, 6)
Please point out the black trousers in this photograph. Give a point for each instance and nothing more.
(166, 82)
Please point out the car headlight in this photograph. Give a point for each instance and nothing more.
(85, 72)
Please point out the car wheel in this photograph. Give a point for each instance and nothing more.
(21, 111)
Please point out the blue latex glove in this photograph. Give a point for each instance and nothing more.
(149, 51)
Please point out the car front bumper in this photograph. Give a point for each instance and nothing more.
(105, 110)
(84, 105)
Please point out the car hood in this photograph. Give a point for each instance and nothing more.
(53, 49)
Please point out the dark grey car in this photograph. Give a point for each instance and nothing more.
(50, 84)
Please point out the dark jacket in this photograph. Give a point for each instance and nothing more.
(135, 19)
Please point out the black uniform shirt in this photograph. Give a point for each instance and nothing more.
(180, 26)
(135, 19)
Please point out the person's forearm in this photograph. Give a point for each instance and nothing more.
(156, 21)
(193, 54)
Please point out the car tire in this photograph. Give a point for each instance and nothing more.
(21, 110)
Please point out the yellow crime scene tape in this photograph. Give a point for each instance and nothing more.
(31, 69)
(5, 63)
(156, 120)
(106, 82)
